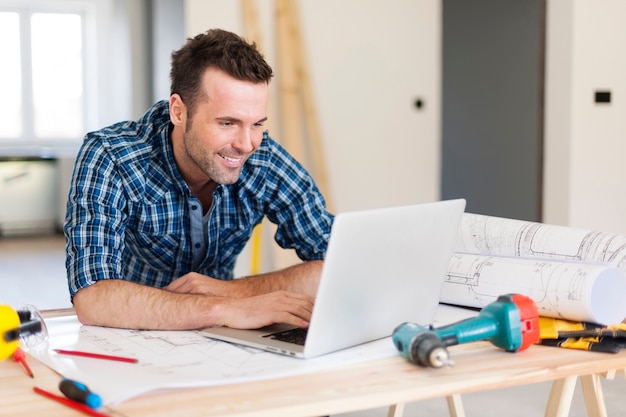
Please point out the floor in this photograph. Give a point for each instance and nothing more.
(32, 271)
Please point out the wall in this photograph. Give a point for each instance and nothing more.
(369, 62)
(492, 105)
(168, 34)
(585, 141)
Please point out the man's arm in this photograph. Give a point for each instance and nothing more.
(200, 301)
(302, 278)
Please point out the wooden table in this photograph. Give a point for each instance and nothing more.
(385, 382)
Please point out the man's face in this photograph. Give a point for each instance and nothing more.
(225, 128)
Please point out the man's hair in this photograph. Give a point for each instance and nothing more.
(219, 49)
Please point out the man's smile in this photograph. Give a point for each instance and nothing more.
(234, 161)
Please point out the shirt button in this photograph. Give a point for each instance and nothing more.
(197, 245)
(194, 207)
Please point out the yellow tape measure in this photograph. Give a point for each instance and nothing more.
(9, 325)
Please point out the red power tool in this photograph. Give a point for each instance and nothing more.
(511, 323)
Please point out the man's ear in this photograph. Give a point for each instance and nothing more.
(178, 111)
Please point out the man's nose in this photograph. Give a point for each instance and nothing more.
(244, 141)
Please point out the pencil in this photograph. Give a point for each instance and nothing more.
(72, 404)
(96, 355)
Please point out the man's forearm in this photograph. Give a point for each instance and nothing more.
(301, 278)
(118, 303)
(123, 304)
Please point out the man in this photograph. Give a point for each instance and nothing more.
(159, 209)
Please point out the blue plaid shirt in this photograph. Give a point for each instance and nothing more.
(128, 212)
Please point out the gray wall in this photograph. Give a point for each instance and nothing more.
(168, 34)
(493, 58)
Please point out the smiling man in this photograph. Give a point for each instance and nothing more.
(160, 208)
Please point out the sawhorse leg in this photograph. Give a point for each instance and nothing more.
(559, 401)
(562, 392)
(396, 410)
(560, 398)
(455, 407)
(594, 398)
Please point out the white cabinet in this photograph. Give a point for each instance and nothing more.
(28, 197)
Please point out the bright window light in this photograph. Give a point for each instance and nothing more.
(11, 105)
(57, 71)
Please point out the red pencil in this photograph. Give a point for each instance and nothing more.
(20, 357)
(70, 403)
(96, 355)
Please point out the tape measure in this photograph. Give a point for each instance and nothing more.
(9, 331)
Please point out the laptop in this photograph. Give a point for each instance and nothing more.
(382, 267)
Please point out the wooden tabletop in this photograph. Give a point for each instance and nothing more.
(478, 367)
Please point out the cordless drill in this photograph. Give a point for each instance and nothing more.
(510, 323)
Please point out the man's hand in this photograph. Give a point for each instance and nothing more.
(194, 283)
(248, 312)
(266, 309)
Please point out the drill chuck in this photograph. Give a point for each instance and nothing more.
(424, 347)
(428, 350)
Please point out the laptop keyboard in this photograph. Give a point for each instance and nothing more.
(296, 336)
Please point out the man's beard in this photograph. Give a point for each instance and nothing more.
(207, 163)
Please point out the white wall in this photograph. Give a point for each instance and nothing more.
(369, 60)
(585, 142)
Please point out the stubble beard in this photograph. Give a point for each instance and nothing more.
(206, 162)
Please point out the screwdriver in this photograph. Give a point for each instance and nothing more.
(80, 393)
(20, 357)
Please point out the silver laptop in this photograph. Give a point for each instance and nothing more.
(382, 267)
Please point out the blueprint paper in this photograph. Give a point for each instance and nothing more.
(175, 359)
(487, 235)
(178, 359)
(570, 273)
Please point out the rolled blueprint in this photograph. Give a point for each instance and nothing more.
(487, 235)
(571, 273)
(567, 290)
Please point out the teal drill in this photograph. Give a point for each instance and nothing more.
(510, 323)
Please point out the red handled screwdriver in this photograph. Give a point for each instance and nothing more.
(20, 357)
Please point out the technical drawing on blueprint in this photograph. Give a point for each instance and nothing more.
(570, 273)
(174, 359)
(487, 235)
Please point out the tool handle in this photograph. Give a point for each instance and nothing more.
(80, 393)
(469, 330)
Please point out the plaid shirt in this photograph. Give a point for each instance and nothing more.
(128, 211)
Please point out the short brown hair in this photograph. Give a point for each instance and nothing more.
(220, 49)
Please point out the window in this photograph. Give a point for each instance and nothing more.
(57, 75)
(42, 75)
(10, 76)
